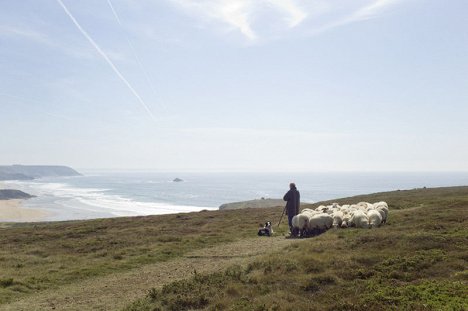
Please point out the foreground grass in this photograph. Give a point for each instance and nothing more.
(418, 261)
(37, 257)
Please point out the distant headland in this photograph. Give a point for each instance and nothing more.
(11, 194)
(29, 172)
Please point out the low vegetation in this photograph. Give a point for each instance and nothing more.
(416, 262)
(40, 256)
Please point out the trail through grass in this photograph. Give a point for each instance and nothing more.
(418, 261)
(114, 291)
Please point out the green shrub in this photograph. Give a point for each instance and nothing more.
(432, 295)
(316, 283)
(6, 282)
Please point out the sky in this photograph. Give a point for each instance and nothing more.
(235, 85)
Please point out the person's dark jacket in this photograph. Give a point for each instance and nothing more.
(293, 199)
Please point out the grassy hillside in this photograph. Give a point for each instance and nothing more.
(37, 257)
(418, 261)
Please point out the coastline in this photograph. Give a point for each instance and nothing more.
(140, 194)
(13, 211)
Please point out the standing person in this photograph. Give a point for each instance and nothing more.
(293, 198)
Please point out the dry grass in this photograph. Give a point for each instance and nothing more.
(37, 257)
(416, 262)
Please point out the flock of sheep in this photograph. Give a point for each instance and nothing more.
(361, 215)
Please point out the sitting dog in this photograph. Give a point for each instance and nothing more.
(266, 230)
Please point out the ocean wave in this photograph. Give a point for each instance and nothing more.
(120, 206)
(96, 200)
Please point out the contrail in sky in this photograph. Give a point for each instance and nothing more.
(138, 60)
(107, 59)
(115, 13)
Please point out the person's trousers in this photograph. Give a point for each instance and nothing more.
(290, 217)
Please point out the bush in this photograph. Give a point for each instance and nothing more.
(6, 282)
(432, 295)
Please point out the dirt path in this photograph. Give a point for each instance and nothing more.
(115, 291)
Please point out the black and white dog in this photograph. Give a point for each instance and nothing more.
(267, 230)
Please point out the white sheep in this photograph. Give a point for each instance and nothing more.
(364, 206)
(337, 219)
(381, 203)
(352, 208)
(334, 206)
(360, 215)
(359, 219)
(345, 221)
(310, 213)
(344, 207)
(375, 218)
(300, 223)
(382, 208)
(383, 214)
(320, 222)
(329, 211)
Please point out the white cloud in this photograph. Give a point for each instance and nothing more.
(294, 14)
(241, 14)
(318, 15)
(234, 13)
(372, 10)
(237, 14)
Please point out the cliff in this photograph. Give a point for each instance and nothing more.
(25, 172)
(8, 194)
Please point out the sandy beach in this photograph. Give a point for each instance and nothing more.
(12, 211)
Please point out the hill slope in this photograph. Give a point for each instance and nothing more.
(417, 261)
(24, 172)
(8, 194)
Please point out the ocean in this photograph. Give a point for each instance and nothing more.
(111, 194)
